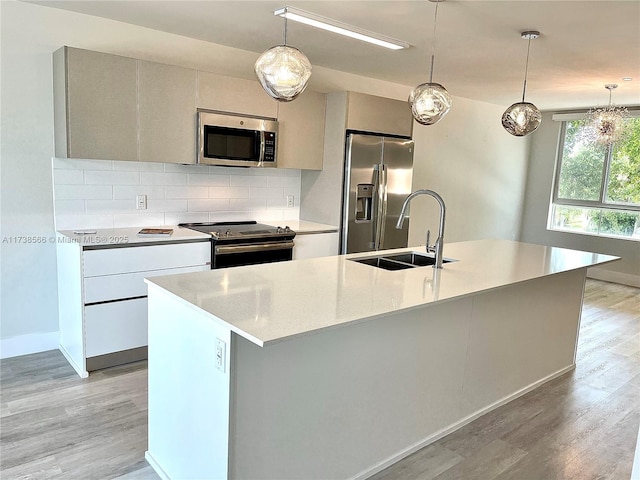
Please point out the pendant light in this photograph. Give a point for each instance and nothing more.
(522, 118)
(606, 124)
(283, 70)
(430, 102)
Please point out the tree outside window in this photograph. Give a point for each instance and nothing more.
(597, 188)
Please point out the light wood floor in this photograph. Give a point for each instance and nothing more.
(582, 425)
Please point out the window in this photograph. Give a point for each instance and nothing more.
(597, 188)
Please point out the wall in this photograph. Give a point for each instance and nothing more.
(102, 194)
(544, 146)
(477, 168)
(29, 35)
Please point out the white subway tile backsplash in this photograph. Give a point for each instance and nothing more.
(162, 205)
(126, 192)
(247, 204)
(267, 193)
(247, 181)
(178, 168)
(208, 205)
(98, 177)
(182, 217)
(138, 220)
(83, 221)
(83, 192)
(82, 164)
(111, 206)
(102, 193)
(68, 177)
(70, 207)
(209, 180)
(138, 166)
(186, 192)
(156, 178)
(228, 192)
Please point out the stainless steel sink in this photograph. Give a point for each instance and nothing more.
(400, 261)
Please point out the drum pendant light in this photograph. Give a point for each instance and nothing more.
(430, 102)
(522, 118)
(283, 70)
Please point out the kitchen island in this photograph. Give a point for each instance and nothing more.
(330, 368)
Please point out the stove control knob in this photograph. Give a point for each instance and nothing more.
(228, 233)
(279, 229)
(287, 229)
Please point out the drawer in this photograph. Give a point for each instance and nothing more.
(112, 327)
(126, 285)
(110, 261)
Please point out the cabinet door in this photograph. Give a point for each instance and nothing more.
(234, 95)
(301, 132)
(315, 245)
(167, 105)
(99, 103)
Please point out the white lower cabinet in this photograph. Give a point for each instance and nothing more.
(312, 245)
(115, 326)
(103, 297)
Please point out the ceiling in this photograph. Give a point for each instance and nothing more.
(480, 55)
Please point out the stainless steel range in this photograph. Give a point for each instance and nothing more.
(246, 243)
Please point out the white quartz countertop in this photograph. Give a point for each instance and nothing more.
(303, 227)
(274, 302)
(88, 237)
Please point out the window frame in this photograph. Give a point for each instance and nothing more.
(601, 204)
(604, 186)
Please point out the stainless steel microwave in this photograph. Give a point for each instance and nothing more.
(236, 140)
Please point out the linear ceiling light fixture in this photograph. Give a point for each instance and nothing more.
(334, 26)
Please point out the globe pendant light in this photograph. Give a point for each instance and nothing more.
(606, 124)
(283, 70)
(522, 118)
(430, 102)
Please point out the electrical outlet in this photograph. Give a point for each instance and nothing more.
(221, 353)
(141, 202)
(290, 201)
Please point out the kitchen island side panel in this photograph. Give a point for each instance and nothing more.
(520, 335)
(336, 403)
(188, 394)
(348, 402)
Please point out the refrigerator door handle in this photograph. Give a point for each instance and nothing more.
(381, 187)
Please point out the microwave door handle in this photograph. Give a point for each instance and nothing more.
(262, 146)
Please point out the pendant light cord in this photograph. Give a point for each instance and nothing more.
(285, 31)
(526, 70)
(433, 48)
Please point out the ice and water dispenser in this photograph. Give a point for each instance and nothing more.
(364, 202)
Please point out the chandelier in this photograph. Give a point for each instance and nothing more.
(522, 118)
(430, 101)
(605, 125)
(283, 70)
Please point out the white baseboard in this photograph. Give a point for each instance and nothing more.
(27, 344)
(457, 425)
(614, 277)
(156, 467)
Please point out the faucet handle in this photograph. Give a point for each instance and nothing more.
(429, 248)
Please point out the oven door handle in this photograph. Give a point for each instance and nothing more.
(253, 247)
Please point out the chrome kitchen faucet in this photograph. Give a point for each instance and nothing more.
(437, 247)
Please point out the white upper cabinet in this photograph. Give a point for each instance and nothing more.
(167, 109)
(301, 131)
(234, 95)
(95, 105)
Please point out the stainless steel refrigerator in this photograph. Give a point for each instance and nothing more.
(378, 174)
